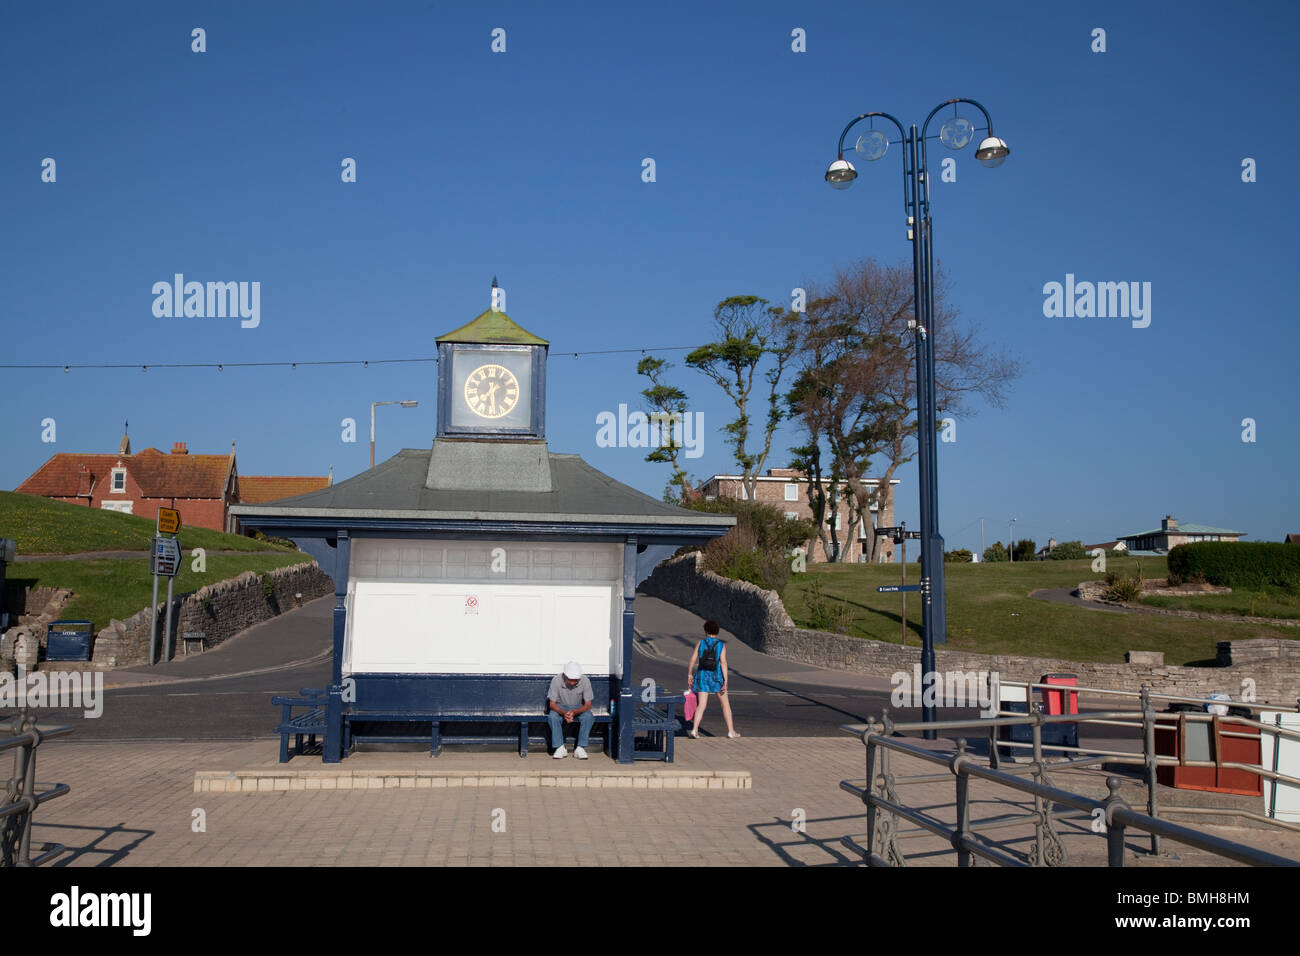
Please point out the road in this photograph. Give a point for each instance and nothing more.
(770, 697)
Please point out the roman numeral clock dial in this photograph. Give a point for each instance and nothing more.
(491, 391)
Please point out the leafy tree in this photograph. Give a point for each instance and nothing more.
(668, 405)
(996, 552)
(748, 329)
(1068, 551)
(960, 555)
(1026, 549)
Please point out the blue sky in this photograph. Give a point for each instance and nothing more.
(225, 166)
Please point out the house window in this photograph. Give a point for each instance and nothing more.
(791, 491)
(123, 506)
(119, 480)
(792, 515)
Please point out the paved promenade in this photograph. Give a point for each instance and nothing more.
(135, 804)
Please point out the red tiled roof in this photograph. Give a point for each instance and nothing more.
(256, 489)
(158, 475)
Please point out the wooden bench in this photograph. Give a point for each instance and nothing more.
(437, 738)
(438, 699)
(658, 720)
(307, 724)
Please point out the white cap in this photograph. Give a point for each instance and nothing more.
(573, 670)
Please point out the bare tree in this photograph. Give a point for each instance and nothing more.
(857, 349)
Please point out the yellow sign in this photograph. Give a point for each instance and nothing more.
(169, 520)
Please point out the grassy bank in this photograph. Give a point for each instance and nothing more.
(45, 526)
(108, 588)
(990, 611)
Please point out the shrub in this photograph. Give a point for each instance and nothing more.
(826, 613)
(758, 548)
(1068, 551)
(1122, 589)
(959, 555)
(268, 586)
(996, 552)
(1237, 564)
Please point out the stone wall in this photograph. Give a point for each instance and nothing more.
(219, 610)
(758, 618)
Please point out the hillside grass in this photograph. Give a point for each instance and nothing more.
(45, 526)
(990, 611)
(109, 588)
(1249, 602)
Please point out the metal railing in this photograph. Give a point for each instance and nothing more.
(22, 794)
(1111, 816)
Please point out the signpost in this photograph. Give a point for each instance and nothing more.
(165, 558)
(899, 535)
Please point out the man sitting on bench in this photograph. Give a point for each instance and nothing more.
(570, 697)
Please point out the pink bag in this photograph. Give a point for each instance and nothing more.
(689, 709)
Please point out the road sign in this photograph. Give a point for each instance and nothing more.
(166, 556)
(169, 520)
(899, 587)
(914, 534)
(891, 532)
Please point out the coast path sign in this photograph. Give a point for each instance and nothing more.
(166, 556)
(169, 520)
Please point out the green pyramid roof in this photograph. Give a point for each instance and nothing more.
(492, 328)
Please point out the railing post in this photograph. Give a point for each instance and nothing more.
(963, 805)
(1114, 831)
(1149, 755)
(1040, 855)
(871, 789)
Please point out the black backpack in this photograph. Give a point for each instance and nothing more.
(709, 656)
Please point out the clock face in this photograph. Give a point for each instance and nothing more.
(491, 391)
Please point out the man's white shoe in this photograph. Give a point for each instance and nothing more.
(580, 753)
(561, 753)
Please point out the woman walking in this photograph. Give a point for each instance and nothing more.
(710, 678)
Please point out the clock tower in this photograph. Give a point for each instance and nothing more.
(491, 407)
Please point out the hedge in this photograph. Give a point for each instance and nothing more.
(1239, 564)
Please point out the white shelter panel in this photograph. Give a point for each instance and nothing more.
(438, 627)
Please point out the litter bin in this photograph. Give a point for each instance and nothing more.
(69, 641)
(1057, 702)
(1014, 700)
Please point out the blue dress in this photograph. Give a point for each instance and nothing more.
(709, 682)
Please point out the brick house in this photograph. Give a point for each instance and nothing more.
(201, 487)
(259, 489)
(786, 489)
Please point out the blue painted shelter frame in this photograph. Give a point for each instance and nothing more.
(329, 541)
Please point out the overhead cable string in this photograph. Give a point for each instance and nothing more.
(365, 363)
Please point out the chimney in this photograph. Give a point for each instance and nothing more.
(83, 481)
(178, 448)
(1170, 523)
(1051, 544)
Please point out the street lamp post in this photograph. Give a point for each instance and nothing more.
(1011, 540)
(372, 424)
(955, 133)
